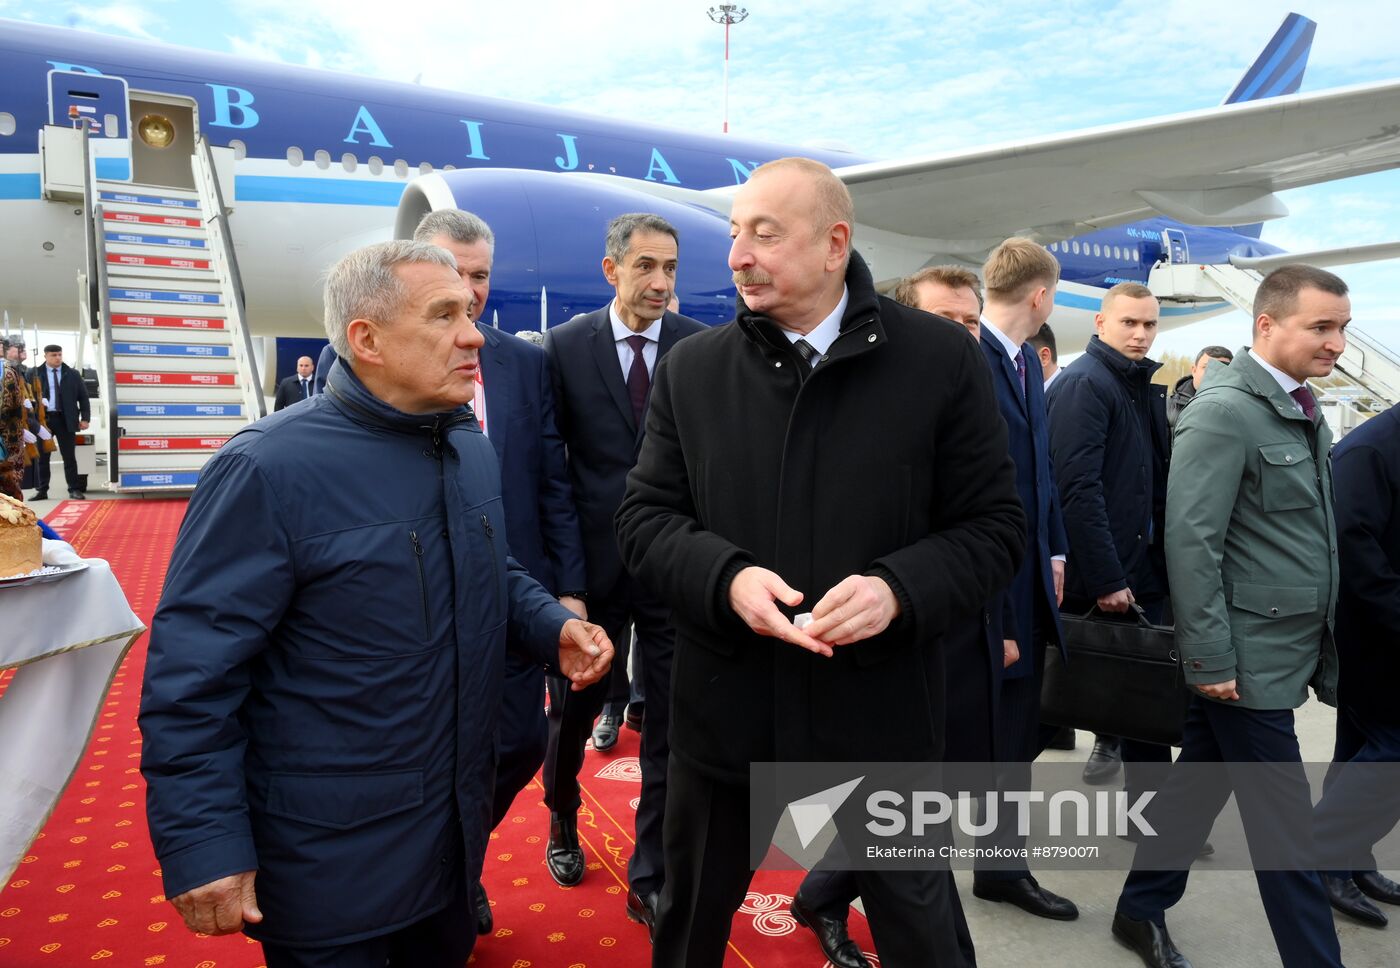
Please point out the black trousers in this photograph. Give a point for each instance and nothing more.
(63, 435)
(441, 940)
(915, 916)
(1361, 804)
(1271, 805)
(571, 716)
(522, 734)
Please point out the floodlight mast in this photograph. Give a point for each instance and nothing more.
(727, 14)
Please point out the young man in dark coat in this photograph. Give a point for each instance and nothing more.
(325, 665)
(829, 452)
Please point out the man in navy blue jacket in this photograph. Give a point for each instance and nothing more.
(326, 661)
(1021, 277)
(514, 405)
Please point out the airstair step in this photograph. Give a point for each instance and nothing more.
(222, 365)
(163, 443)
(146, 198)
(146, 218)
(158, 480)
(138, 378)
(117, 241)
(151, 295)
(179, 410)
(121, 348)
(190, 393)
(157, 261)
(197, 323)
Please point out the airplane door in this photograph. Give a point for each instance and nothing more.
(1174, 241)
(97, 103)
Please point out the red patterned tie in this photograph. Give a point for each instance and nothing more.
(1305, 400)
(638, 380)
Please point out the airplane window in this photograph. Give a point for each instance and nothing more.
(449, 167)
(400, 168)
(1135, 255)
(347, 161)
(376, 165)
(294, 155)
(7, 123)
(1076, 247)
(426, 168)
(1117, 252)
(323, 158)
(240, 150)
(109, 125)
(1053, 246)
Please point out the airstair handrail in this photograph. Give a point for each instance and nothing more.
(108, 389)
(211, 199)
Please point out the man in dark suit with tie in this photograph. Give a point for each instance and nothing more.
(602, 363)
(66, 401)
(299, 386)
(1356, 810)
(1021, 277)
(514, 404)
(1251, 553)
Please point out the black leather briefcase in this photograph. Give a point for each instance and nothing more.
(1123, 679)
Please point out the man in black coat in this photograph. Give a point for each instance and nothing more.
(831, 453)
(66, 401)
(1362, 802)
(1109, 442)
(297, 387)
(602, 363)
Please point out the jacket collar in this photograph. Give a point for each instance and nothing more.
(1248, 375)
(1131, 371)
(862, 310)
(353, 398)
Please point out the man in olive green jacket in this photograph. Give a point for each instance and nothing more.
(1252, 557)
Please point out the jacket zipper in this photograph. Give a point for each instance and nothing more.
(491, 533)
(422, 582)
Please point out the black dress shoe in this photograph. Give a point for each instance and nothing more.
(563, 856)
(40, 495)
(481, 907)
(642, 909)
(635, 715)
(1151, 942)
(1105, 759)
(77, 495)
(831, 934)
(605, 732)
(1377, 886)
(1346, 897)
(1027, 894)
(1063, 739)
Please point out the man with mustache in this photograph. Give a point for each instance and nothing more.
(602, 364)
(1251, 551)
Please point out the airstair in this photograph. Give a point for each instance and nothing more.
(1371, 365)
(164, 301)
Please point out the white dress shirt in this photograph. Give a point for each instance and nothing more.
(652, 334)
(824, 333)
(1284, 380)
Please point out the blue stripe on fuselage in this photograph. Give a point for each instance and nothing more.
(316, 191)
(1073, 301)
(24, 185)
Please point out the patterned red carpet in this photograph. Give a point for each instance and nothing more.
(89, 891)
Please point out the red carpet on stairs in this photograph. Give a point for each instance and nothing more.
(89, 890)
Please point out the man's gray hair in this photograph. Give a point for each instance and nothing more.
(364, 285)
(457, 225)
(622, 228)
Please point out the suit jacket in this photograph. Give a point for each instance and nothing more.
(595, 420)
(541, 522)
(324, 362)
(73, 395)
(1251, 543)
(1032, 591)
(289, 391)
(1366, 474)
(885, 460)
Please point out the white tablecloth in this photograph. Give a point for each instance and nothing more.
(75, 633)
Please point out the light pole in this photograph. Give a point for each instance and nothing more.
(727, 14)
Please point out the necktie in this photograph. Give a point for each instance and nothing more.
(1021, 369)
(1305, 400)
(808, 351)
(304, 391)
(53, 389)
(638, 380)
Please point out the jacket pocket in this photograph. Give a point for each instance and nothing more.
(1287, 477)
(341, 801)
(1274, 601)
(422, 582)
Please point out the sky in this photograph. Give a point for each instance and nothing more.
(902, 77)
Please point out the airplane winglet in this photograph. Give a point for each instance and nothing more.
(1279, 69)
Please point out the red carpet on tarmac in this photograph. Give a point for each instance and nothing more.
(89, 890)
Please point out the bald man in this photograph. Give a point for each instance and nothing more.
(298, 387)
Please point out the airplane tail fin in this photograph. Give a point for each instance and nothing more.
(1279, 69)
(1276, 71)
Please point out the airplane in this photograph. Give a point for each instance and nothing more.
(325, 162)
